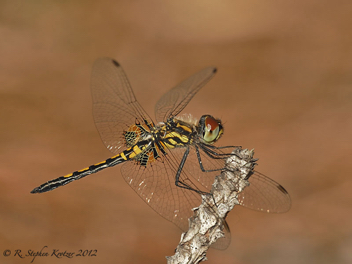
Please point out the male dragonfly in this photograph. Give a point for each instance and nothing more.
(169, 163)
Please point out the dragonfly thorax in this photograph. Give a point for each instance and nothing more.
(177, 133)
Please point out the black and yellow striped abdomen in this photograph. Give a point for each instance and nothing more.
(126, 155)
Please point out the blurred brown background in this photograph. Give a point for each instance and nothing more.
(283, 87)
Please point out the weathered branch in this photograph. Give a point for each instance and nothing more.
(208, 222)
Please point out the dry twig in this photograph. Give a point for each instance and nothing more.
(208, 221)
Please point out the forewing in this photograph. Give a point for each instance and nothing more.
(264, 194)
(115, 107)
(173, 102)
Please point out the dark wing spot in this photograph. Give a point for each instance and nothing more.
(282, 189)
(215, 70)
(116, 63)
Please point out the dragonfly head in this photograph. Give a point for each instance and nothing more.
(210, 129)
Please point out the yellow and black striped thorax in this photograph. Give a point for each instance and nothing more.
(146, 142)
(177, 133)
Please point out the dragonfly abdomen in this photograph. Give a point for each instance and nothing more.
(63, 180)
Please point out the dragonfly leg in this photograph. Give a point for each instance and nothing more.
(180, 183)
(201, 163)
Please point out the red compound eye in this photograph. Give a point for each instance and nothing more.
(212, 129)
(211, 123)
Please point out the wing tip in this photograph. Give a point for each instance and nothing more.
(282, 189)
(115, 63)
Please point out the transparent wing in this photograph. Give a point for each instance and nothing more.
(115, 107)
(264, 194)
(173, 102)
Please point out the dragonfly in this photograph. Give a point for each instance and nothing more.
(170, 162)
